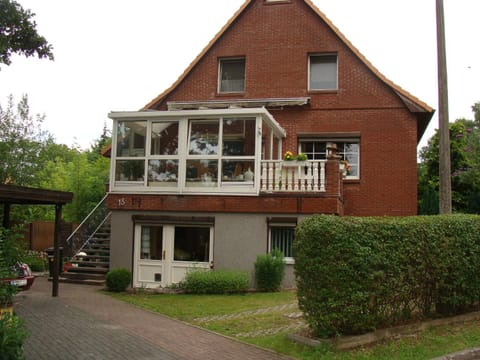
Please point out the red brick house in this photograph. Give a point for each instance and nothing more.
(198, 177)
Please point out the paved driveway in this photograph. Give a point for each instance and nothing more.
(84, 324)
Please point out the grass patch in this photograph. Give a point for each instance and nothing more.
(190, 307)
(239, 321)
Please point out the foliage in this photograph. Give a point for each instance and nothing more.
(269, 271)
(84, 174)
(13, 333)
(117, 280)
(30, 157)
(37, 260)
(21, 142)
(465, 168)
(18, 33)
(215, 282)
(11, 251)
(358, 274)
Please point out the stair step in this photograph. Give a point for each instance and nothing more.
(74, 276)
(102, 258)
(98, 246)
(98, 282)
(101, 240)
(96, 251)
(91, 270)
(83, 281)
(81, 263)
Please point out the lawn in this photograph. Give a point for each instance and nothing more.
(264, 319)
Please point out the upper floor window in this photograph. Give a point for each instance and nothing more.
(231, 75)
(348, 149)
(323, 72)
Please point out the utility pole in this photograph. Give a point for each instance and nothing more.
(445, 191)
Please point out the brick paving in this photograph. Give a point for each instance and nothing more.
(84, 324)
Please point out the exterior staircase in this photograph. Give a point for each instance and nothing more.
(89, 249)
(91, 263)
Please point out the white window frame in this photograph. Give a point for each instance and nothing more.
(346, 140)
(231, 187)
(310, 56)
(290, 225)
(222, 61)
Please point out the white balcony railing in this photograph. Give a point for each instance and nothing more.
(293, 176)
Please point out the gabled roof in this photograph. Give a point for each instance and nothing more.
(414, 104)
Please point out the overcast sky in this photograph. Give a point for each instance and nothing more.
(114, 55)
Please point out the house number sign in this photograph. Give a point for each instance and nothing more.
(134, 202)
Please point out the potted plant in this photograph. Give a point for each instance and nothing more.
(344, 167)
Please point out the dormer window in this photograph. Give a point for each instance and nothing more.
(231, 75)
(323, 72)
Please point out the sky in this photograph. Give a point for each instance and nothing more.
(117, 55)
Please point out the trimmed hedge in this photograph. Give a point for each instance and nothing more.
(215, 282)
(358, 274)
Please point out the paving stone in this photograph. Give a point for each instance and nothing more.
(83, 324)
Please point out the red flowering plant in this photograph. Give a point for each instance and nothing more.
(346, 166)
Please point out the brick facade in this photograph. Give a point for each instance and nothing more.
(275, 40)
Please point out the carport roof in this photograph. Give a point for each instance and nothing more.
(12, 194)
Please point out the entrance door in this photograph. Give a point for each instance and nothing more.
(164, 253)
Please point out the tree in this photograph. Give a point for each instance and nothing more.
(18, 33)
(21, 143)
(465, 169)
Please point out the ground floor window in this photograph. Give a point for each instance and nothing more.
(281, 237)
(191, 244)
(151, 243)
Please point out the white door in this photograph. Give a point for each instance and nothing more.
(164, 253)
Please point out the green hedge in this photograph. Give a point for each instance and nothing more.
(117, 280)
(359, 274)
(269, 271)
(215, 282)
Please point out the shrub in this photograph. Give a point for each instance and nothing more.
(358, 274)
(37, 261)
(269, 271)
(12, 335)
(215, 282)
(117, 280)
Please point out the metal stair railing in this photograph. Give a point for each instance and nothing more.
(107, 217)
(84, 232)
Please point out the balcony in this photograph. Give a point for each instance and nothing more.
(229, 152)
(293, 176)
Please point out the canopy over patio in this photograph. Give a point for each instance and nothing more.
(19, 195)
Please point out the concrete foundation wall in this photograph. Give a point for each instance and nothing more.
(238, 239)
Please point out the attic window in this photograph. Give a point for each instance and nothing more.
(276, 1)
(231, 75)
(323, 72)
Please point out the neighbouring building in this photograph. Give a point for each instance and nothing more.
(198, 178)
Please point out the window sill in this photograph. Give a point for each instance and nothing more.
(326, 91)
(275, 2)
(235, 93)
